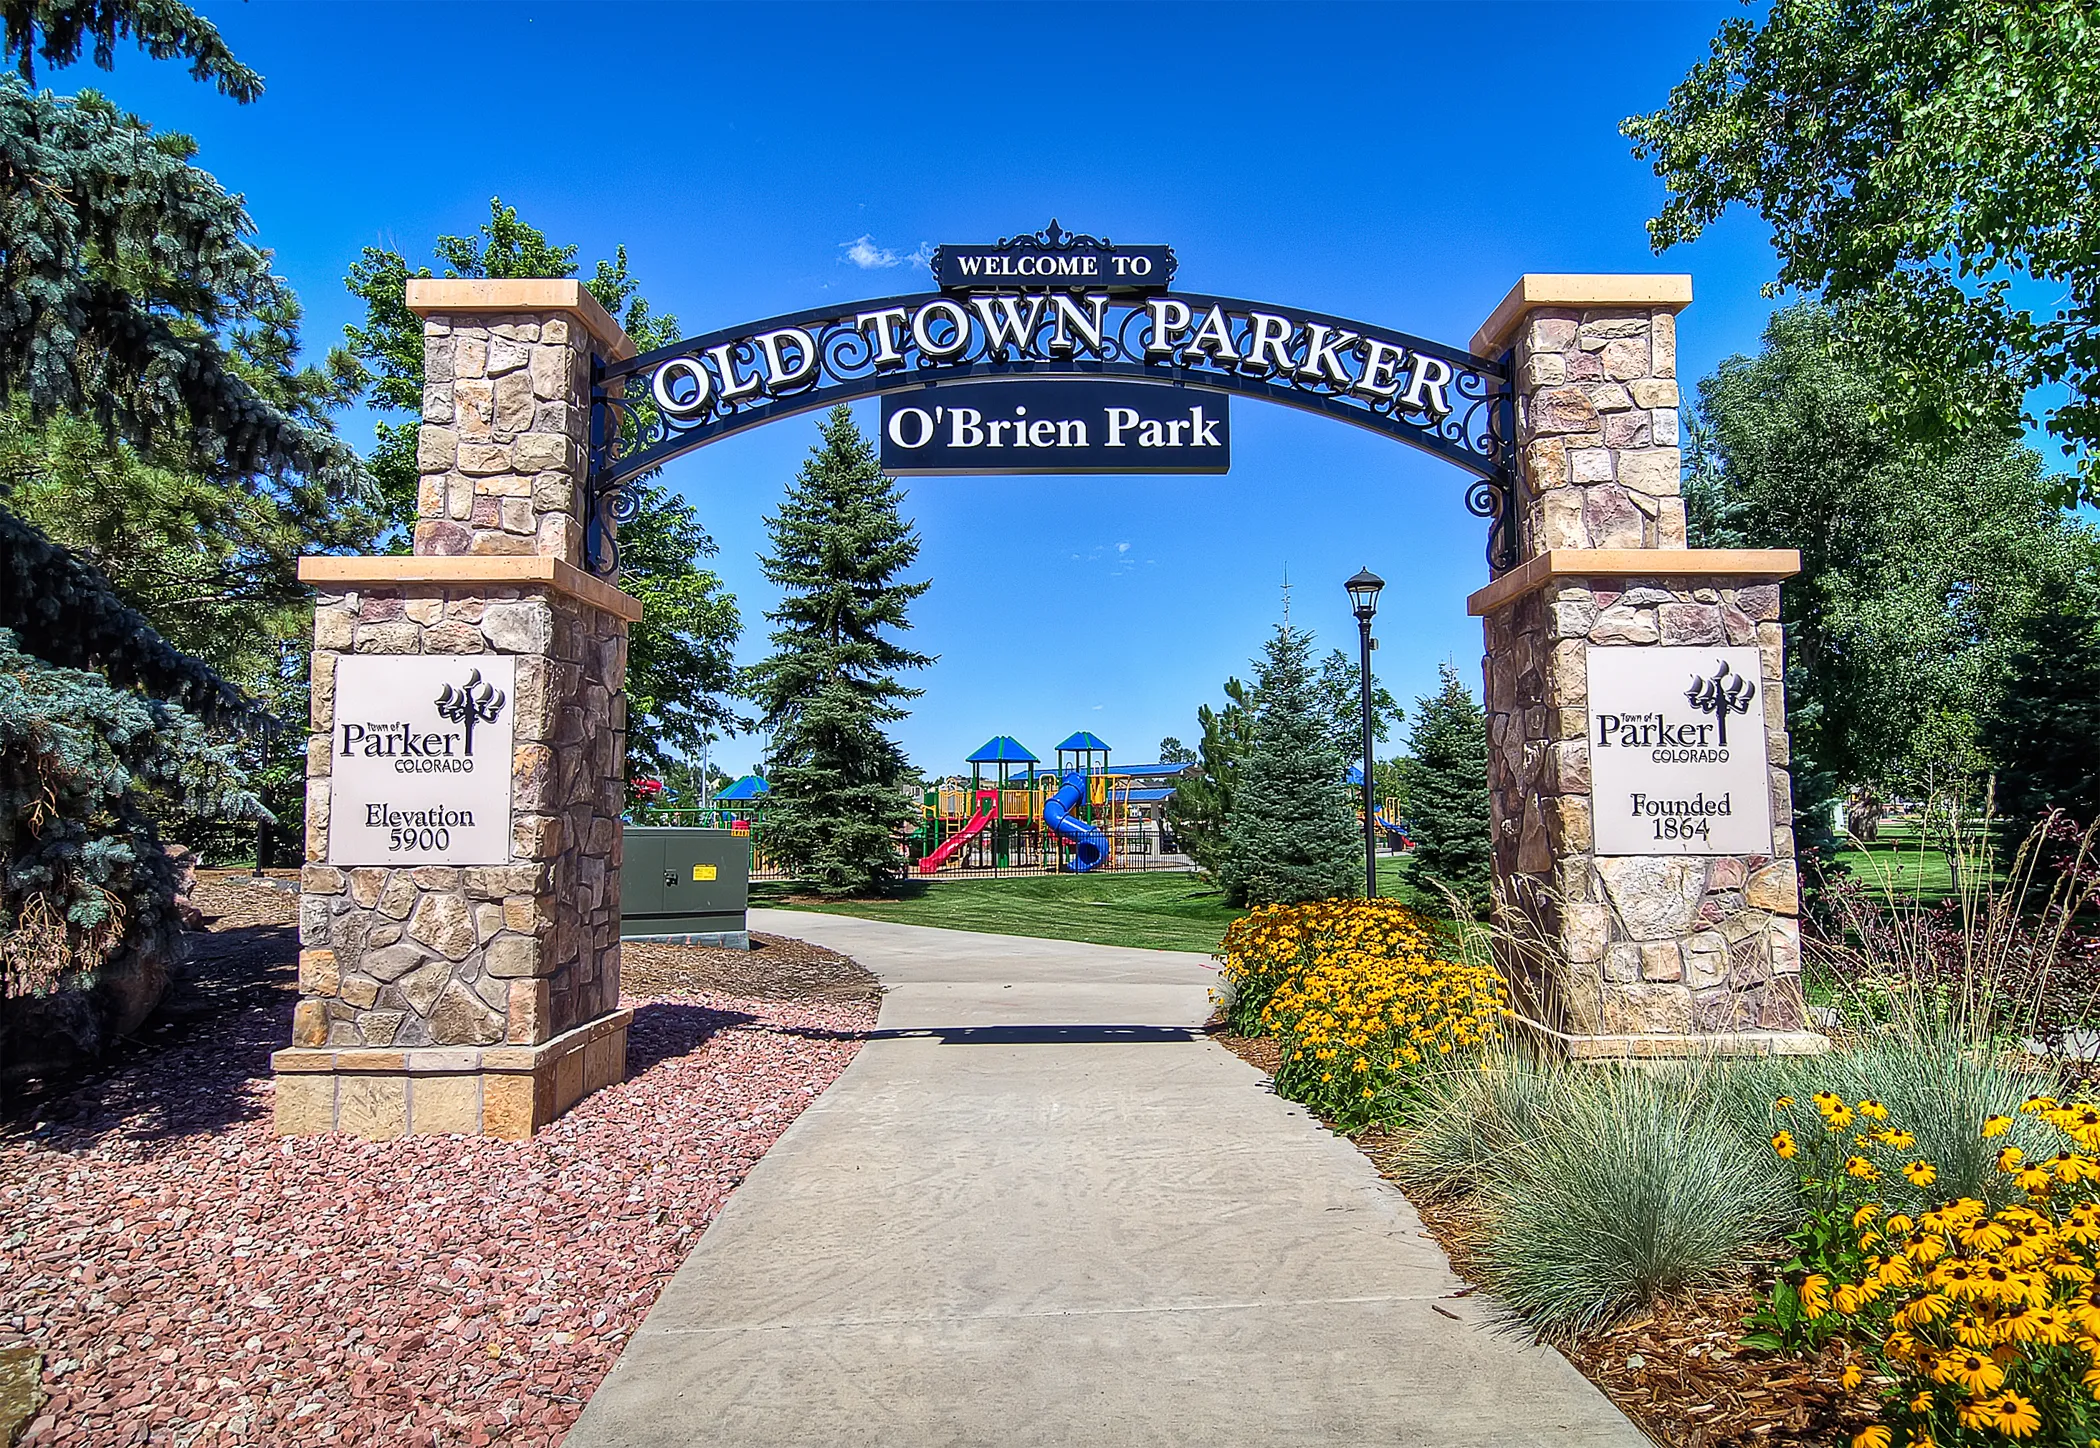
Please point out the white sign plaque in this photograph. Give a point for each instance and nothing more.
(1678, 760)
(421, 768)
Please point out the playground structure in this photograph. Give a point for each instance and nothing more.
(1015, 817)
(1011, 817)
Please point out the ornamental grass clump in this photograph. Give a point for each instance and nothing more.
(1605, 1189)
(1986, 1321)
(1361, 995)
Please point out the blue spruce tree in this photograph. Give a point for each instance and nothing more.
(1294, 833)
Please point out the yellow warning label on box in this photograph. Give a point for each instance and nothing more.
(703, 872)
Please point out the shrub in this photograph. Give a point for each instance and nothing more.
(87, 887)
(1361, 996)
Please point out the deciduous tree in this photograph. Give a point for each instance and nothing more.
(1919, 559)
(1933, 167)
(680, 664)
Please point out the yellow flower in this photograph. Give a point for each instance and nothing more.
(2038, 1103)
(1783, 1143)
(1866, 1213)
(1871, 1437)
(1874, 1109)
(1851, 1377)
(1815, 1295)
(1859, 1166)
(1921, 1173)
(1838, 1119)
(1997, 1125)
(2010, 1414)
(1975, 1371)
(2009, 1159)
(1782, 1103)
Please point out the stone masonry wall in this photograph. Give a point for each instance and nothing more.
(1597, 431)
(506, 419)
(513, 953)
(1636, 944)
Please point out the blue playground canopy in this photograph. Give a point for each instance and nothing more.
(749, 787)
(1083, 741)
(1004, 749)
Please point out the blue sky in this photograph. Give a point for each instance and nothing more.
(1399, 164)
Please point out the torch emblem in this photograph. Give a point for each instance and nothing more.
(1725, 693)
(471, 703)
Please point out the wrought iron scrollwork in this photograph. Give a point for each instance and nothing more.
(1053, 238)
(652, 408)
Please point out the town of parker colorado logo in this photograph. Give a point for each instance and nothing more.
(1725, 693)
(473, 702)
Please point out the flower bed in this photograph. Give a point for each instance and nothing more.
(1981, 1313)
(1360, 995)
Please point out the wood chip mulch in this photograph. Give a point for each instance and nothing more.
(1679, 1371)
(173, 1273)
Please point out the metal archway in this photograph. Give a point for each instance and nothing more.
(652, 408)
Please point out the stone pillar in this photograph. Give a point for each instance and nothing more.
(480, 997)
(1623, 955)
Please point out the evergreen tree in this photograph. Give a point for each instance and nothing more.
(1447, 794)
(838, 782)
(1340, 687)
(681, 656)
(1294, 833)
(129, 297)
(2046, 734)
(1200, 809)
(1173, 751)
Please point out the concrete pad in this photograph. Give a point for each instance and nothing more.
(1041, 1208)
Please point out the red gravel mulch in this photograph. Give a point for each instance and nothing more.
(191, 1279)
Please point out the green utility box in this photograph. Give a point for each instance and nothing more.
(685, 886)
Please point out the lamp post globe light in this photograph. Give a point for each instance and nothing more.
(1363, 598)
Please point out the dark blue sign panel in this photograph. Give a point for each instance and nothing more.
(1054, 259)
(1030, 426)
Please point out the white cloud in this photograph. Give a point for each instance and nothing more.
(863, 252)
(1122, 548)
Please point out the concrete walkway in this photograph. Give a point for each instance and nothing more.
(1040, 1208)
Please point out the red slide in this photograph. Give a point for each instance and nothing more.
(986, 813)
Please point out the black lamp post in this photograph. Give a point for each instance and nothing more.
(1363, 594)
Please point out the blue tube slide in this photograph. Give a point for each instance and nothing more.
(1089, 845)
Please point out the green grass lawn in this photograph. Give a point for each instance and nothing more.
(1148, 911)
(1897, 860)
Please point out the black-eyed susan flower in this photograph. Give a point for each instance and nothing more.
(2010, 1414)
(1921, 1173)
(1976, 1372)
(1783, 1143)
(1874, 1436)
(1996, 1125)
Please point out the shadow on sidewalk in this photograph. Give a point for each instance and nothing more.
(1041, 1035)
